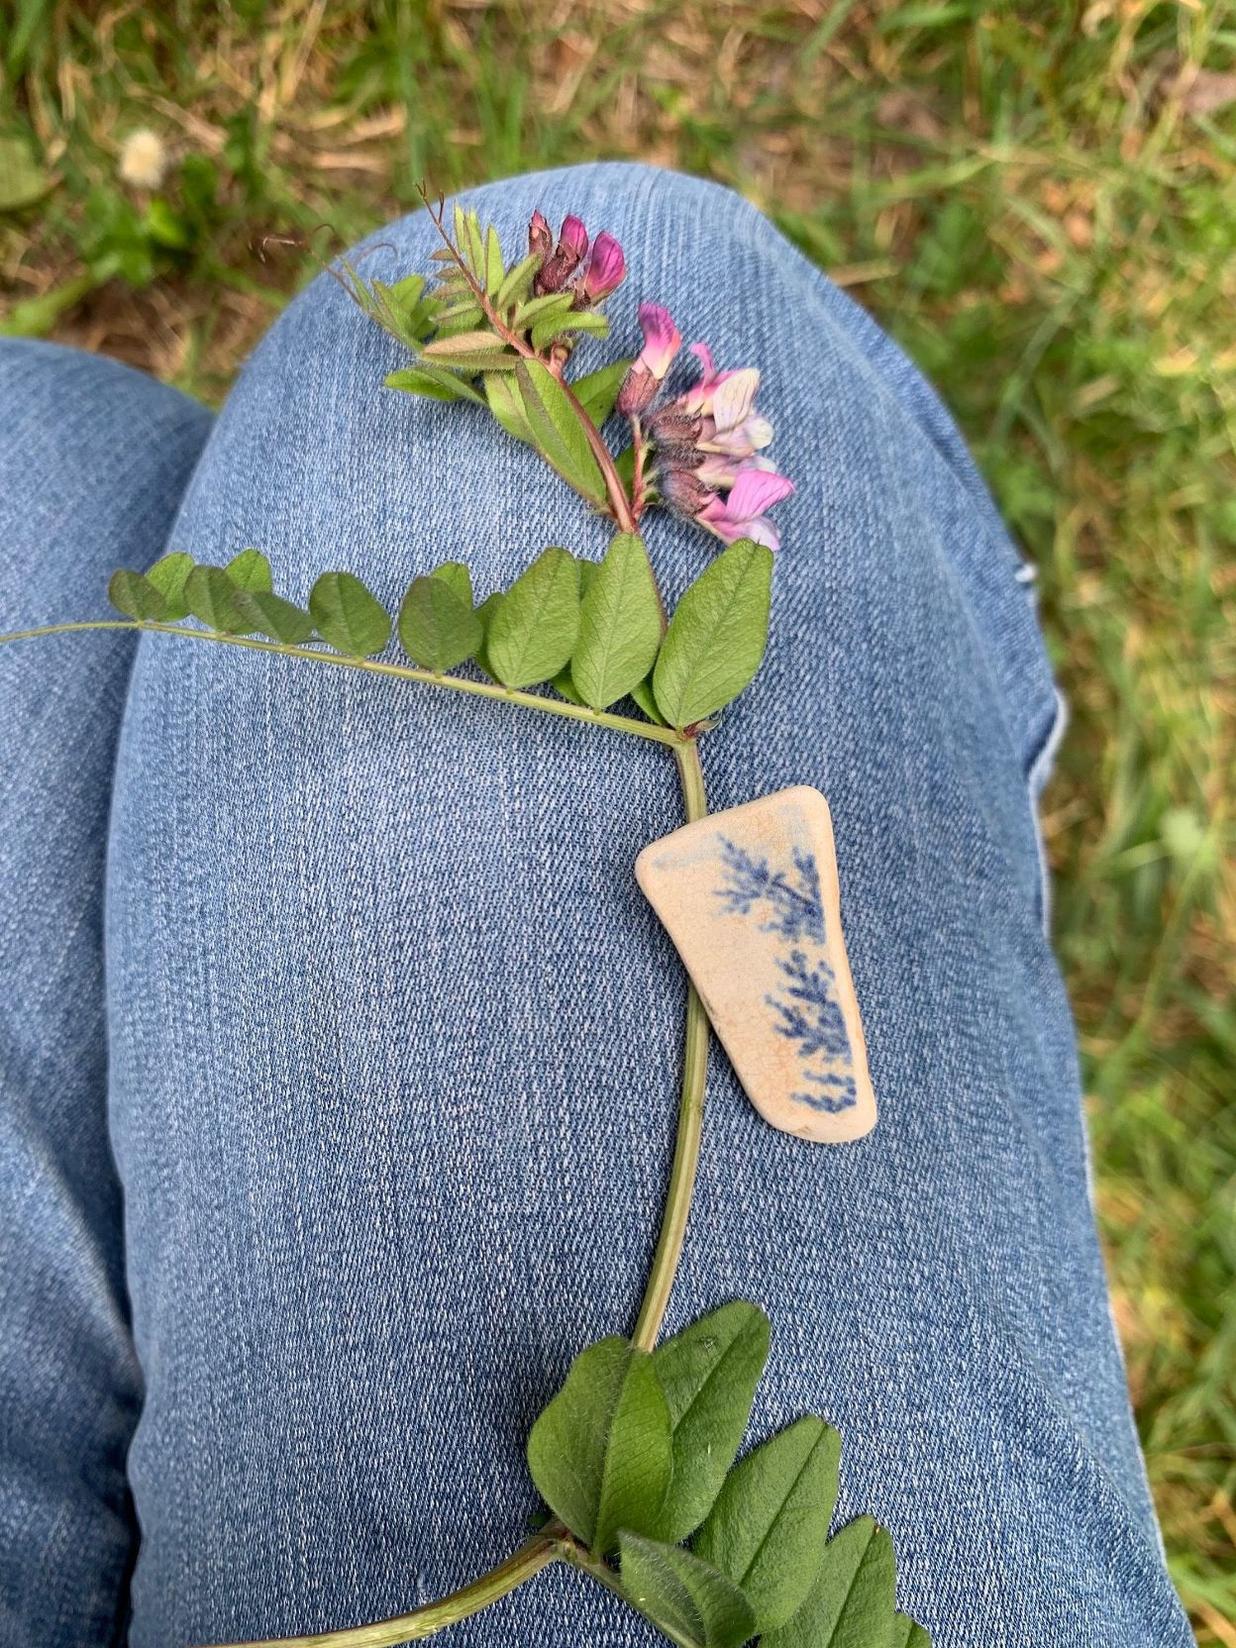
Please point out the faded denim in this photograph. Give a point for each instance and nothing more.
(392, 1040)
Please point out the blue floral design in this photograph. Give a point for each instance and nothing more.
(806, 1007)
(796, 908)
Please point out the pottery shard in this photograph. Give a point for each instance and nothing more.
(751, 900)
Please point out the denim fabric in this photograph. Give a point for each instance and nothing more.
(93, 462)
(394, 1039)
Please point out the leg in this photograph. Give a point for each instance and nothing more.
(395, 1039)
(93, 460)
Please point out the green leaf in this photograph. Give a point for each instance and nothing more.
(564, 686)
(533, 633)
(250, 570)
(518, 282)
(643, 696)
(347, 616)
(716, 639)
(544, 331)
(907, 1633)
(495, 270)
(469, 241)
(476, 245)
(619, 625)
(708, 1372)
(587, 320)
(485, 614)
(456, 574)
(690, 1600)
(556, 431)
(168, 576)
(768, 1526)
(851, 1602)
(470, 351)
(507, 404)
(407, 292)
(457, 320)
(554, 305)
(272, 615)
(597, 391)
(436, 629)
(133, 594)
(436, 382)
(214, 598)
(600, 1452)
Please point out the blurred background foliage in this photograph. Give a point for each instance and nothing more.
(1039, 200)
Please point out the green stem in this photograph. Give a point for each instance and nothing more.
(402, 672)
(690, 1109)
(533, 1555)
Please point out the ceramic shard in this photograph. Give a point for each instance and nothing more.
(751, 900)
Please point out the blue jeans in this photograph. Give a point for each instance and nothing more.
(339, 1050)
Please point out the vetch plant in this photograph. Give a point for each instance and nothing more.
(637, 1456)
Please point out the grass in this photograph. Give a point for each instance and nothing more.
(1040, 202)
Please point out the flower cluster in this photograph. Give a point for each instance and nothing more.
(562, 266)
(706, 444)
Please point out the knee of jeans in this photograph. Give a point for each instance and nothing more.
(94, 457)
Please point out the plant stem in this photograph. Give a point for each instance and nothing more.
(401, 672)
(690, 1109)
(533, 1555)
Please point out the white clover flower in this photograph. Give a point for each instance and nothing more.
(143, 159)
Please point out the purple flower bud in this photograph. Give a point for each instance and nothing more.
(565, 258)
(605, 272)
(682, 492)
(638, 389)
(669, 424)
(540, 236)
(679, 455)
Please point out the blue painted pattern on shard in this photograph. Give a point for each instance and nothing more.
(806, 1007)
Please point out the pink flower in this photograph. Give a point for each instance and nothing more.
(707, 447)
(662, 340)
(741, 514)
(605, 271)
(573, 236)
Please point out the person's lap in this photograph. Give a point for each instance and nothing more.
(394, 1039)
